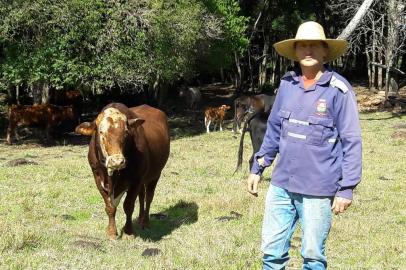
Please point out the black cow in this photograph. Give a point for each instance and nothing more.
(256, 125)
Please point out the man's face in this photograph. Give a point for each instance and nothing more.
(310, 53)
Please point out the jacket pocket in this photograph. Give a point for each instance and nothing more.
(320, 130)
(284, 118)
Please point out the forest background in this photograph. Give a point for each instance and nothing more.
(153, 46)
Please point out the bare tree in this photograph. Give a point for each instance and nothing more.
(362, 10)
(379, 33)
(395, 39)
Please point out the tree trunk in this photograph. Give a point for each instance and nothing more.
(262, 68)
(250, 70)
(381, 59)
(356, 19)
(18, 94)
(238, 76)
(222, 75)
(276, 68)
(370, 67)
(374, 68)
(391, 42)
(45, 93)
(36, 93)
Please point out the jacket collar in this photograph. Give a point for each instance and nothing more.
(324, 79)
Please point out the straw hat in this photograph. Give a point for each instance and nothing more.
(311, 31)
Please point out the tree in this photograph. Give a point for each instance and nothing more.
(96, 45)
(356, 19)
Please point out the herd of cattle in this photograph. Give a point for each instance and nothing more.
(129, 147)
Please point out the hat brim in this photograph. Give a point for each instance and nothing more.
(336, 48)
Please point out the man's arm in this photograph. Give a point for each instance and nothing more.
(348, 127)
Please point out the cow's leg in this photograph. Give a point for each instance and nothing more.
(128, 206)
(110, 209)
(16, 135)
(208, 126)
(251, 162)
(235, 127)
(10, 131)
(215, 125)
(141, 197)
(221, 128)
(239, 124)
(149, 196)
(48, 133)
(111, 213)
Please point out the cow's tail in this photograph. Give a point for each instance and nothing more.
(241, 147)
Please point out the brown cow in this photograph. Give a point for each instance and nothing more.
(70, 97)
(256, 124)
(127, 152)
(241, 108)
(45, 116)
(216, 115)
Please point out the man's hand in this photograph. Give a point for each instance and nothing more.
(252, 184)
(340, 205)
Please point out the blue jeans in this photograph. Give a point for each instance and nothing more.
(282, 211)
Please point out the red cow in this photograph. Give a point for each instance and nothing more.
(127, 152)
(45, 116)
(216, 115)
(69, 98)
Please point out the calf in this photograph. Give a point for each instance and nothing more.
(215, 115)
(257, 123)
(45, 116)
(127, 152)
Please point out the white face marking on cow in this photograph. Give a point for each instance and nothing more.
(111, 118)
(115, 115)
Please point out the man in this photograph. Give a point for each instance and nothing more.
(314, 127)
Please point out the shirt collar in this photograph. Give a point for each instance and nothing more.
(324, 79)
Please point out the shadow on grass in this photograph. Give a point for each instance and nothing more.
(393, 115)
(165, 222)
(34, 137)
(185, 126)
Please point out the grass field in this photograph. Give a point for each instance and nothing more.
(52, 216)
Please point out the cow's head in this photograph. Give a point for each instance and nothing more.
(224, 107)
(257, 104)
(112, 131)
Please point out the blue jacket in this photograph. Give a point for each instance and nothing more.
(317, 135)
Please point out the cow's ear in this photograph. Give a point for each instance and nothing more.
(86, 128)
(135, 122)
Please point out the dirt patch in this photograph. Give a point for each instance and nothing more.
(400, 126)
(87, 244)
(19, 162)
(401, 134)
(370, 100)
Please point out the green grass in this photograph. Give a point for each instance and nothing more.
(52, 217)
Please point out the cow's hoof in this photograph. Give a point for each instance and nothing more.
(128, 230)
(127, 236)
(112, 237)
(144, 224)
